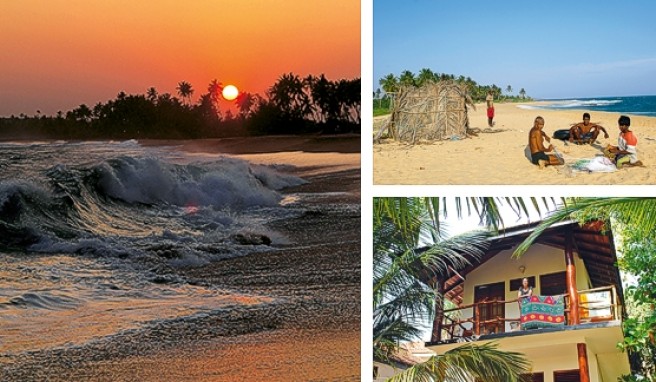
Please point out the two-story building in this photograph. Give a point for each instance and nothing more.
(575, 264)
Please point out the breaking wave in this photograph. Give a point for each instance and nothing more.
(128, 206)
(576, 103)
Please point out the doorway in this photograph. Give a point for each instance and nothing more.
(491, 311)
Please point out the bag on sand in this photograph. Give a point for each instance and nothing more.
(563, 135)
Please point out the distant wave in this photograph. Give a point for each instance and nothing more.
(647, 113)
(575, 103)
(637, 105)
(528, 107)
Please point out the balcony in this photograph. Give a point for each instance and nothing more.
(597, 307)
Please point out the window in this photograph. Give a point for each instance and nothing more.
(516, 283)
(567, 376)
(534, 377)
(553, 283)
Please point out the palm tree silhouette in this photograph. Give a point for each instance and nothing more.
(185, 91)
(289, 96)
(245, 102)
(151, 94)
(215, 88)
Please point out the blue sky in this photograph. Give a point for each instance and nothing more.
(552, 49)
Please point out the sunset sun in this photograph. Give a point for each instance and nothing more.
(230, 92)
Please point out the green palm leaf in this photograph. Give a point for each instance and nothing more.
(412, 254)
(640, 211)
(467, 363)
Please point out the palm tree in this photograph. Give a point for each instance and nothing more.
(446, 77)
(425, 76)
(214, 89)
(288, 95)
(635, 219)
(509, 89)
(522, 93)
(496, 90)
(185, 91)
(639, 210)
(151, 94)
(407, 78)
(322, 91)
(483, 362)
(377, 96)
(406, 272)
(389, 83)
(245, 102)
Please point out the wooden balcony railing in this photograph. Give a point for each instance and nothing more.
(595, 305)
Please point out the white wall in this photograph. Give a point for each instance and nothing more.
(384, 372)
(538, 260)
(565, 357)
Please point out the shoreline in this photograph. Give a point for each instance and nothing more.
(311, 155)
(312, 278)
(497, 157)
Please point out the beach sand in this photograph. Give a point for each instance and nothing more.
(497, 158)
(312, 155)
(309, 332)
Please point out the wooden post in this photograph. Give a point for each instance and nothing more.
(436, 336)
(571, 280)
(477, 319)
(584, 372)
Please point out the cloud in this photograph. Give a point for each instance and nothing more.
(613, 67)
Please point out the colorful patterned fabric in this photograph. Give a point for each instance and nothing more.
(542, 312)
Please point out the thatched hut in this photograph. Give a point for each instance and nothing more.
(432, 112)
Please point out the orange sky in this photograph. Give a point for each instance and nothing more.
(58, 54)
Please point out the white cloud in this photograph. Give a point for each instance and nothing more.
(605, 67)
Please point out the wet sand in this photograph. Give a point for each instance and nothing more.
(307, 329)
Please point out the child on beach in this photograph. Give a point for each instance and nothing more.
(536, 144)
(625, 153)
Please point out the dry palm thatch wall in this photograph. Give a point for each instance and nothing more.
(432, 112)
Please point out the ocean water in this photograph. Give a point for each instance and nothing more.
(89, 230)
(636, 105)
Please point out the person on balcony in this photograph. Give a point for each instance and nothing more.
(525, 290)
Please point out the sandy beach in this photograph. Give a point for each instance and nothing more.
(307, 328)
(312, 155)
(497, 157)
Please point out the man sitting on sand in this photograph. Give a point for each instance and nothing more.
(625, 153)
(538, 151)
(586, 132)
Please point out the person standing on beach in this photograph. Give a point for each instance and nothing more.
(490, 108)
(586, 132)
(539, 154)
(625, 153)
